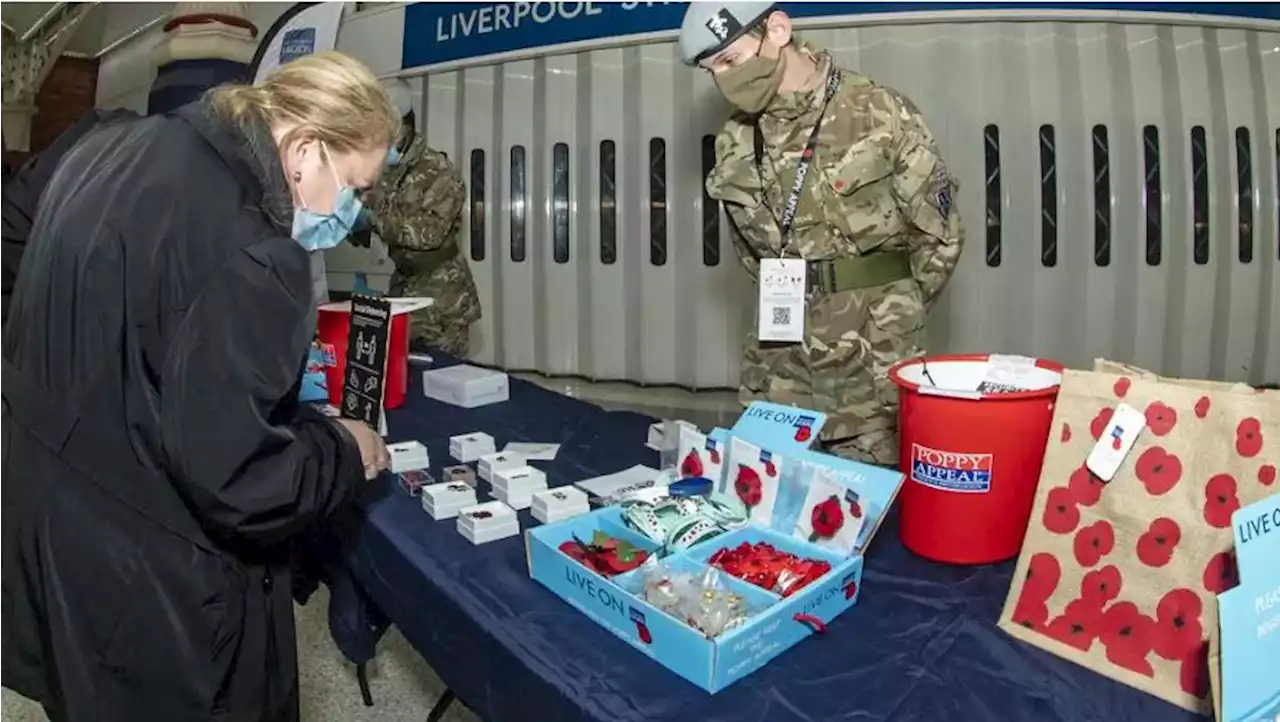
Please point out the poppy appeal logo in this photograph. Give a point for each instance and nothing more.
(804, 428)
(642, 629)
(951, 471)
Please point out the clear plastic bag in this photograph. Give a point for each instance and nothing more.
(703, 601)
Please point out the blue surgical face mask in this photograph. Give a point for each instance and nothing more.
(393, 157)
(322, 231)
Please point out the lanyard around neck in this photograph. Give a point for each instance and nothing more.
(788, 216)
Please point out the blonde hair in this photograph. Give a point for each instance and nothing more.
(330, 95)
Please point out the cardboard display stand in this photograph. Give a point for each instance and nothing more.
(1247, 647)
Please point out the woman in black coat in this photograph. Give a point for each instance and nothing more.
(156, 462)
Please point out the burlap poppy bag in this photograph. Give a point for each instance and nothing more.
(1121, 577)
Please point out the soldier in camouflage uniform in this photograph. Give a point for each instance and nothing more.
(416, 210)
(873, 217)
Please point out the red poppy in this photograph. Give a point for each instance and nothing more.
(1249, 438)
(692, 464)
(1220, 501)
(826, 518)
(1193, 676)
(1155, 547)
(1094, 542)
(1061, 516)
(1031, 612)
(803, 433)
(1079, 625)
(748, 486)
(1122, 387)
(1099, 423)
(1086, 488)
(1161, 418)
(1101, 585)
(1178, 631)
(770, 468)
(1220, 573)
(855, 510)
(1043, 574)
(714, 454)
(1267, 474)
(1202, 407)
(1158, 470)
(1126, 634)
(1066, 432)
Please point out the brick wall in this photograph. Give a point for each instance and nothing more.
(67, 94)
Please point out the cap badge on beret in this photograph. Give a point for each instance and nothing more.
(723, 25)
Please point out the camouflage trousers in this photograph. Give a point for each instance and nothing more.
(430, 333)
(852, 338)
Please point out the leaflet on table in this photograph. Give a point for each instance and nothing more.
(781, 428)
(1249, 619)
(638, 477)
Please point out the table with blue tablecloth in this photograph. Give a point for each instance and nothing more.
(921, 644)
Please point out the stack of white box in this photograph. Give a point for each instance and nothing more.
(408, 456)
(470, 447)
(445, 500)
(555, 505)
(488, 522)
(490, 464)
(517, 486)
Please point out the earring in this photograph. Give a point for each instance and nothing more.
(297, 176)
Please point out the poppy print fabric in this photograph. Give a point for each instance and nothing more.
(1121, 577)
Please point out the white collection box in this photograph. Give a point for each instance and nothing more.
(446, 499)
(470, 447)
(556, 505)
(466, 386)
(490, 521)
(498, 461)
(517, 486)
(408, 456)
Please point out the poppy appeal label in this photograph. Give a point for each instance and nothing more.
(951, 471)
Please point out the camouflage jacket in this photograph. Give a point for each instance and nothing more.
(417, 210)
(877, 181)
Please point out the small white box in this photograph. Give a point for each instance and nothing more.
(498, 461)
(488, 522)
(519, 479)
(446, 499)
(466, 386)
(516, 487)
(408, 456)
(555, 505)
(470, 447)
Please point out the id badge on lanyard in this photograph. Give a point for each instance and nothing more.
(783, 281)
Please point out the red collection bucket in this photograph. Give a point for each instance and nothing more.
(334, 325)
(972, 459)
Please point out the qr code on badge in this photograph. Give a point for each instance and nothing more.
(781, 315)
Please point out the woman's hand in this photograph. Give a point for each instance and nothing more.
(373, 451)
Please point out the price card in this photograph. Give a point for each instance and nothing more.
(782, 289)
(365, 378)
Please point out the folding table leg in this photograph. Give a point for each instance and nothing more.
(362, 676)
(442, 706)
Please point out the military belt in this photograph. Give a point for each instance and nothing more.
(858, 272)
(422, 263)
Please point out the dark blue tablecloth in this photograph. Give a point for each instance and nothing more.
(921, 644)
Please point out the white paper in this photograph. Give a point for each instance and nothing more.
(752, 469)
(636, 478)
(780, 317)
(533, 451)
(822, 489)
